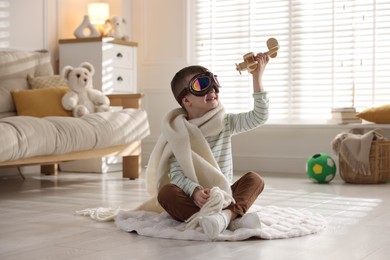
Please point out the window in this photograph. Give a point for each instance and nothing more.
(333, 53)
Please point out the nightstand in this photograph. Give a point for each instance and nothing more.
(115, 61)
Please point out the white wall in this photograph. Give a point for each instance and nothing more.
(30, 27)
(28, 24)
(161, 29)
(39, 24)
(71, 13)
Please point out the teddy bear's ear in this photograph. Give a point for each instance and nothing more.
(65, 71)
(88, 66)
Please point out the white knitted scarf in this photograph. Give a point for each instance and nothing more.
(186, 140)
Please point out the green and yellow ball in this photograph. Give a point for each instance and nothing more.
(321, 168)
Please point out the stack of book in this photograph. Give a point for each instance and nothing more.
(344, 115)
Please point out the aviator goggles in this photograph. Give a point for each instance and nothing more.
(202, 83)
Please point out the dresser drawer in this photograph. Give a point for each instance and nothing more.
(124, 80)
(120, 56)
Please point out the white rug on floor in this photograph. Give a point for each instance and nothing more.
(276, 223)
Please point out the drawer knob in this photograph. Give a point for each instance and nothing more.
(119, 55)
(119, 78)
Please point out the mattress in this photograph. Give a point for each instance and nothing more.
(25, 136)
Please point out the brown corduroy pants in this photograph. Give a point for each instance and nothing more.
(181, 207)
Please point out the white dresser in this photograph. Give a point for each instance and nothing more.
(115, 61)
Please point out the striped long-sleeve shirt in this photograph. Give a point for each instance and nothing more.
(221, 144)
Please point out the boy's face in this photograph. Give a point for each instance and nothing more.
(200, 104)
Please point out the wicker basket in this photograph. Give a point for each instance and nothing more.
(379, 164)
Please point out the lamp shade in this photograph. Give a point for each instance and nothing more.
(98, 12)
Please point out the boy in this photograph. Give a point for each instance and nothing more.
(193, 154)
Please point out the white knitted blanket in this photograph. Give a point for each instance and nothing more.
(276, 223)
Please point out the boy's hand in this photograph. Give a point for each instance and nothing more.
(262, 60)
(201, 196)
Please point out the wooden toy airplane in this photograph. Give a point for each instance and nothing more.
(250, 63)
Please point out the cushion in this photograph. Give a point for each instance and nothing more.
(15, 65)
(40, 102)
(46, 81)
(379, 115)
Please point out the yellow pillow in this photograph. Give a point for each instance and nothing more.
(379, 115)
(40, 102)
(46, 81)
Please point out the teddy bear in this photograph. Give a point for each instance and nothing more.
(82, 98)
(117, 29)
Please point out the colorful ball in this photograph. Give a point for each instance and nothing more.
(321, 168)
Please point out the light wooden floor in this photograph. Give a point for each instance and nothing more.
(37, 221)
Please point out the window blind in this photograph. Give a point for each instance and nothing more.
(333, 53)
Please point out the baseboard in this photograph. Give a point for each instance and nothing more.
(286, 165)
